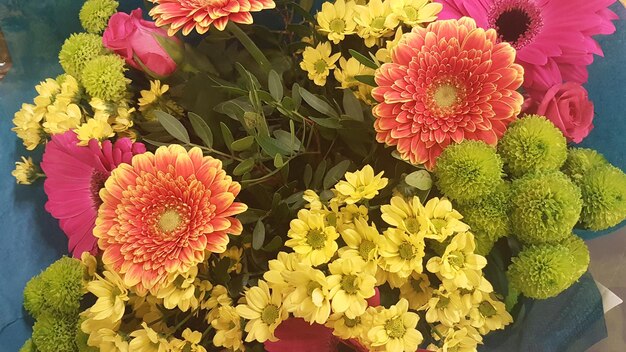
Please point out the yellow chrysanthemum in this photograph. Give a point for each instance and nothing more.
(409, 216)
(112, 296)
(94, 129)
(351, 284)
(459, 266)
(180, 292)
(219, 298)
(61, 118)
(47, 90)
(90, 263)
(384, 54)
(417, 290)
(415, 12)
(393, 279)
(401, 253)
(149, 97)
(374, 21)
(447, 307)
(147, 340)
(26, 172)
(227, 327)
(315, 204)
(395, 329)
(348, 70)
(107, 340)
(336, 20)
(446, 221)
(28, 128)
(318, 62)
(488, 313)
(344, 216)
(344, 327)
(282, 265)
(311, 239)
(70, 90)
(459, 339)
(361, 184)
(310, 298)
(234, 254)
(264, 311)
(363, 241)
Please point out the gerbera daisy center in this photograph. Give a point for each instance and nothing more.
(98, 178)
(316, 239)
(169, 220)
(395, 328)
(516, 21)
(269, 314)
(446, 95)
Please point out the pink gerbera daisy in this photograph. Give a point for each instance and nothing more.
(75, 175)
(161, 213)
(448, 82)
(201, 14)
(553, 38)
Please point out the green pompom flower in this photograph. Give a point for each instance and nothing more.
(604, 197)
(484, 244)
(580, 254)
(468, 170)
(532, 144)
(78, 50)
(63, 285)
(34, 296)
(542, 271)
(488, 217)
(94, 15)
(581, 160)
(54, 334)
(28, 346)
(544, 207)
(103, 77)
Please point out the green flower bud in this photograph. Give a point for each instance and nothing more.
(604, 197)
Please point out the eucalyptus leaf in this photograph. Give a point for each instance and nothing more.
(275, 85)
(319, 175)
(328, 122)
(278, 161)
(367, 79)
(155, 143)
(273, 146)
(174, 127)
(242, 144)
(228, 136)
(258, 235)
(201, 128)
(420, 179)
(352, 106)
(336, 173)
(308, 175)
(244, 167)
(317, 103)
(363, 59)
(275, 244)
(288, 139)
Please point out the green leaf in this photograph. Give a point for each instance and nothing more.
(244, 167)
(275, 85)
(317, 103)
(155, 143)
(327, 122)
(308, 175)
(242, 144)
(336, 173)
(419, 179)
(273, 146)
(220, 272)
(319, 174)
(174, 127)
(363, 59)
(201, 128)
(306, 4)
(288, 139)
(275, 244)
(228, 136)
(278, 161)
(295, 96)
(367, 79)
(258, 235)
(352, 106)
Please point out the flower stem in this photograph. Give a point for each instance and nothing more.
(254, 50)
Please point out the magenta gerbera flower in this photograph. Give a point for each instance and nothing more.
(75, 176)
(553, 38)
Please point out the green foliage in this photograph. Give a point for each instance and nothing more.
(94, 15)
(103, 77)
(532, 144)
(55, 334)
(469, 170)
(544, 207)
(580, 161)
(78, 50)
(604, 197)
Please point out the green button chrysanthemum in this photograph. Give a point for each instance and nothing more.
(604, 197)
(544, 207)
(34, 296)
(543, 271)
(468, 170)
(581, 160)
(532, 144)
(28, 346)
(488, 217)
(95, 14)
(103, 77)
(55, 334)
(580, 254)
(78, 50)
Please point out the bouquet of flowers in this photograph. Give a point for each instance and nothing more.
(381, 175)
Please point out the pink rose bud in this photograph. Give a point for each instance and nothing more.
(568, 106)
(137, 41)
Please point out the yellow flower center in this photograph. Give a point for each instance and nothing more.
(439, 223)
(269, 314)
(378, 23)
(316, 238)
(445, 95)
(331, 219)
(365, 248)
(410, 12)
(443, 302)
(415, 284)
(349, 284)
(312, 286)
(169, 220)
(487, 309)
(337, 25)
(395, 328)
(456, 259)
(350, 323)
(406, 251)
(412, 225)
(320, 66)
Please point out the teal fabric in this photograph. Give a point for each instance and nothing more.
(30, 239)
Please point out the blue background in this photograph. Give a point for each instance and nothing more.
(30, 239)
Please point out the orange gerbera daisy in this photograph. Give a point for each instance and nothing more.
(448, 82)
(161, 213)
(201, 14)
